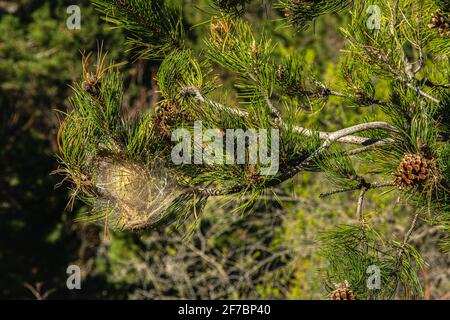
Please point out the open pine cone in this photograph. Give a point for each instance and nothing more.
(413, 170)
(343, 292)
(166, 115)
(441, 23)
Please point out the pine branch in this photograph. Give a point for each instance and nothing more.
(234, 8)
(382, 59)
(301, 12)
(406, 238)
(370, 147)
(275, 112)
(334, 137)
(359, 211)
(328, 92)
(292, 171)
(154, 27)
(347, 139)
(366, 185)
(399, 76)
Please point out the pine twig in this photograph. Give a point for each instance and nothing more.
(328, 92)
(401, 251)
(344, 135)
(377, 144)
(37, 290)
(291, 172)
(275, 112)
(334, 137)
(359, 210)
(348, 139)
(368, 186)
(381, 57)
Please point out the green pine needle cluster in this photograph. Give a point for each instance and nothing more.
(300, 12)
(154, 27)
(233, 8)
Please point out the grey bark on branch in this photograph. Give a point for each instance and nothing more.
(346, 138)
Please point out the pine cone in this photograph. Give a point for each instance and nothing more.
(220, 32)
(441, 23)
(413, 170)
(281, 72)
(166, 115)
(221, 27)
(343, 292)
(254, 48)
(251, 176)
(92, 85)
(359, 95)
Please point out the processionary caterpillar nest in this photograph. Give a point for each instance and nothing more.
(132, 196)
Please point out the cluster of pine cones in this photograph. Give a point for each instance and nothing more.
(441, 23)
(343, 292)
(413, 171)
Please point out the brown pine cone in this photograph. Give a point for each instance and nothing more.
(413, 170)
(441, 23)
(343, 292)
(252, 176)
(165, 116)
(92, 85)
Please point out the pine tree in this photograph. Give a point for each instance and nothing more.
(123, 168)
